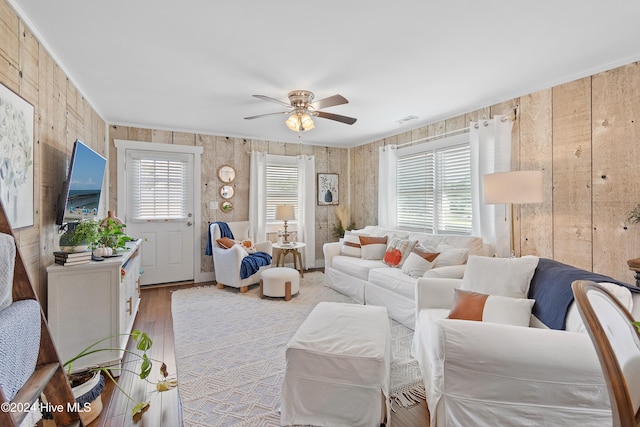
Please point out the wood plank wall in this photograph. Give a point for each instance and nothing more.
(62, 115)
(222, 150)
(584, 136)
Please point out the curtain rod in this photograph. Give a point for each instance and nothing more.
(427, 138)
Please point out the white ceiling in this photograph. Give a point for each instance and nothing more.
(193, 65)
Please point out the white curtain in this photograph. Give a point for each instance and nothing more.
(490, 152)
(258, 197)
(387, 201)
(307, 208)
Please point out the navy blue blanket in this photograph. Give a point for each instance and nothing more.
(225, 231)
(551, 288)
(252, 263)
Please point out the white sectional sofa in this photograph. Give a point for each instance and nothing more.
(372, 281)
(488, 373)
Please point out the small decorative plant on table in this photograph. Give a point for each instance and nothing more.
(111, 237)
(79, 236)
(142, 345)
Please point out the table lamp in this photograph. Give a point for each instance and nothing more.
(285, 213)
(515, 187)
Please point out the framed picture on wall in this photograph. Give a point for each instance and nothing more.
(328, 189)
(16, 158)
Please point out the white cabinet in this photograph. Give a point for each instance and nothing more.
(91, 302)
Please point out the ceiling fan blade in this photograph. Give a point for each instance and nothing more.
(329, 102)
(268, 114)
(336, 117)
(268, 98)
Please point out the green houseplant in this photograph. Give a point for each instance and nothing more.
(142, 345)
(111, 234)
(79, 236)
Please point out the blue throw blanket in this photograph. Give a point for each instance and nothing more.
(551, 288)
(225, 231)
(252, 263)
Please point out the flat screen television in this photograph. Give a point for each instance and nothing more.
(80, 197)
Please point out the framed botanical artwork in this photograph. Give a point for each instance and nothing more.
(328, 189)
(16, 158)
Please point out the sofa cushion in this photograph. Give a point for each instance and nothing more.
(469, 305)
(394, 280)
(450, 256)
(356, 267)
(474, 245)
(374, 230)
(373, 247)
(507, 277)
(351, 244)
(418, 262)
(398, 250)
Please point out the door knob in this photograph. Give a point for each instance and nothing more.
(189, 223)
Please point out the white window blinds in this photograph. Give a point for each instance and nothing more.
(282, 187)
(434, 190)
(158, 186)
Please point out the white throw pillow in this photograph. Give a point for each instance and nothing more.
(416, 264)
(507, 277)
(468, 305)
(373, 247)
(450, 256)
(351, 244)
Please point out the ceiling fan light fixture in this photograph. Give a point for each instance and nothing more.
(300, 122)
(306, 122)
(293, 123)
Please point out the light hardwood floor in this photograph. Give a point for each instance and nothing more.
(154, 317)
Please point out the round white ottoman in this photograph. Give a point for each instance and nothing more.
(279, 282)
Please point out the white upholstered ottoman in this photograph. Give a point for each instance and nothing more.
(337, 371)
(279, 282)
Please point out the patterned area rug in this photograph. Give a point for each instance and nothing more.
(230, 352)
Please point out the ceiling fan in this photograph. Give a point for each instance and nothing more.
(301, 108)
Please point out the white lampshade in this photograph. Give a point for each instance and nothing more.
(306, 122)
(285, 212)
(293, 123)
(514, 187)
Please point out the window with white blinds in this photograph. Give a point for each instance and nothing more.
(158, 186)
(282, 187)
(434, 190)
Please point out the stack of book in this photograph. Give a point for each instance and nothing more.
(72, 258)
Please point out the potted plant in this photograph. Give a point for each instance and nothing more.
(87, 385)
(111, 234)
(343, 214)
(79, 236)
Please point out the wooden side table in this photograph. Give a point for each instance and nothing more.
(291, 248)
(634, 265)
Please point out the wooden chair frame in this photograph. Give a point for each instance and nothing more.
(621, 403)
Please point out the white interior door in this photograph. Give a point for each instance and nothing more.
(159, 209)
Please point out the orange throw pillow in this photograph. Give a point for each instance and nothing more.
(225, 243)
(468, 305)
(393, 257)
